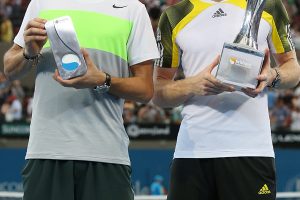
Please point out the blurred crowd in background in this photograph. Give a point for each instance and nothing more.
(11, 16)
(16, 100)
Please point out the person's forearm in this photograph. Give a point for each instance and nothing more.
(169, 93)
(133, 88)
(289, 74)
(15, 66)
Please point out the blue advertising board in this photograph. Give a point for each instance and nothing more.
(146, 164)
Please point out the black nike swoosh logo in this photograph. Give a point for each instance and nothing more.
(114, 6)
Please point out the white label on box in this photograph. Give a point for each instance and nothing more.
(239, 67)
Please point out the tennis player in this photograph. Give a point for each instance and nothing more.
(224, 148)
(78, 147)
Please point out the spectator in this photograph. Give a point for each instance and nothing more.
(24, 5)
(16, 15)
(296, 101)
(12, 109)
(280, 116)
(6, 29)
(28, 109)
(293, 8)
(176, 116)
(272, 97)
(4, 112)
(150, 113)
(4, 93)
(129, 115)
(154, 14)
(157, 187)
(4, 83)
(2, 7)
(17, 89)
(297, 91)
(295, 115)
(151, 3)
(8, 8)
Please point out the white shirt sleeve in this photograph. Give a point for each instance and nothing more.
(31, 13)
(141, 45)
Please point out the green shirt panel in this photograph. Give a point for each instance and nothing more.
(96, 30)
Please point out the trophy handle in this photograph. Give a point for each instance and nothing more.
(249, 31)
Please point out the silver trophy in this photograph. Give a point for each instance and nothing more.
(241, 61)
(65, 47)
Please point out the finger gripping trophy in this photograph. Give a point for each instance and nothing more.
(241, 61)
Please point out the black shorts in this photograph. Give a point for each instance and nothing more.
(76, 180)
(240, 178)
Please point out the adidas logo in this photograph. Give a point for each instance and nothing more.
(219, 13)
(264, 190)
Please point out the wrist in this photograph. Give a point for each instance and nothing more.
(271, 77)
(103, 86)
(29, 55)
(100, 78)
(275, 80)
(188, 85)
(34, 58)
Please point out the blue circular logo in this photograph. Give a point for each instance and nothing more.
(70, 62)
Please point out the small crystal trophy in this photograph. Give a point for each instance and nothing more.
(65, 47)
(241, 61)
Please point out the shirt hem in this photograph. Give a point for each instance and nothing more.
(224, 154)
(79, 158)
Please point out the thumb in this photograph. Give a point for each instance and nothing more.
(86, 56)
(267, 57)
(266, 63)
(213, 64)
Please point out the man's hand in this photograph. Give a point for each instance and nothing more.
(264, 79)
(90, 79)
(204, 83)
(35, 36)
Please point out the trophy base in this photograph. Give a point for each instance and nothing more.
(240, 65)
